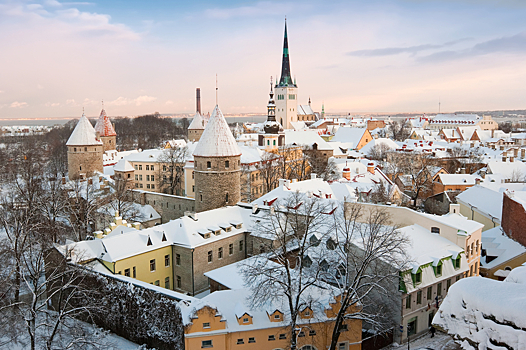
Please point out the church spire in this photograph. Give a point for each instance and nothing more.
(286, 79)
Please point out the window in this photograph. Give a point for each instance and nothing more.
(153, 186)
(85, 149)
(151, 168)
(312, 332)
(140, 177)
(227, 164)
(136, 184)
(448, 284)
(127, 272)
(456, 262)
(419, 297)
(344, 328)
(147, 167)
(277, 316)
(167, 283)
(457, 278)
(178, 259)
(193, 188)
(282, 336)
(136, 168)
(226, 197)
(439, 289)
(140, 167)
(240, 246)
(439, 269)
(147, 185)
(418, 277)
(240, 341)
(245, 320)
(206, 324)
(408, 301)
(152, 265)
(252, 340)
(167, 260)
(271, 337)
(209, 256)
(178, 281)
(152, 178)
(220, 253)
(136, 177)
(435, 230)
(147, 177)
(134, 272)
(301, 334)
(75, 149)
(206, 344)
(157, 283)
(476, 267)
(230, 249)
(208, 165)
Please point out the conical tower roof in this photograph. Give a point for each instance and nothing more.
(84, 134)
(286, 79)
(104, 126)
(217, 139)
(198, 123)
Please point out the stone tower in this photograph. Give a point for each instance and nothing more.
(106, 132)
(85, 150)
(272, 136)
(217, 166)
(286, 91)
(196, 127)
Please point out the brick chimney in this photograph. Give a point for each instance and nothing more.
(346, 172)
(198, 100)
(370, 168)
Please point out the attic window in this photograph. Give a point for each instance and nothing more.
(149, 241)
(164, 238)
(245, 320)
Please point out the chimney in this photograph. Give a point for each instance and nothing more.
(63, 180)
(462, 170)
(254, 209)
(370, 168)
(198, 99)
(454, 208)
(312, 176)
(492, 133)
(346, 172)
(504, 159)
(477, 181)
(512, 159)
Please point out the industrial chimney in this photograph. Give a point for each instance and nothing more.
(198, 99)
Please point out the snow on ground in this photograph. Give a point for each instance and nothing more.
(440, 341)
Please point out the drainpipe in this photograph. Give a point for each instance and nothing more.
(472, 211)
(193, 287)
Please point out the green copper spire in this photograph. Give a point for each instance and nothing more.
(285, 79)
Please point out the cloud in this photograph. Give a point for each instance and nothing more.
(52, 104)
(259, 9)
(169, 103)
(387, 51)
(123, 101)
(509, 44)
(17, 104)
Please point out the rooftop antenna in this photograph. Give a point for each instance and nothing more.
(216, 89)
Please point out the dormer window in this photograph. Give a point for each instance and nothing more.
(245, 320)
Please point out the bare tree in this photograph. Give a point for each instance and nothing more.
(289, 223)
(171, 164)
(378, 152)
(364, 264)
(118, 202)
(269, 171)
(400, 129)
(418, 167)
(84, 199)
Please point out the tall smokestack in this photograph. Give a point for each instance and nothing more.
(198, 99)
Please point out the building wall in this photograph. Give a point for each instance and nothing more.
(511, 264)
(195, 134)
(108, 142)
(373, 124)
(141, 262)
(438, 187)
(477, 216)
(84, 160)
(366, 138)
(212, 185)
(170, 207)
(201, 264)
(513, 219)
(286, 107)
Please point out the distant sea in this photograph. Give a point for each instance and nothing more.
(51, 122)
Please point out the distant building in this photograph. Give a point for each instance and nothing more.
(452, 121)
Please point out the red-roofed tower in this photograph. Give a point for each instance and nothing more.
(106, 132)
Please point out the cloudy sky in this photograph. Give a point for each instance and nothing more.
(354, 56)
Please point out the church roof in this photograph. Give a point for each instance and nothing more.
(286, 79)
(84, 134)
(217, 139)
(198, 123)
(104, 126)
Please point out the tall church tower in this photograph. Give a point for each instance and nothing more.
(217, 166)
(286, 91)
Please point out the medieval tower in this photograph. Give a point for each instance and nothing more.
(272, 137)
(106, 132)
(286, 91)
(85, 150)
(217, 166)
(198, 124)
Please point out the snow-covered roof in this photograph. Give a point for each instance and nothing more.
(507, 169)
(484, 200)
(250, 154)
(457, 221)
(198, 123)
(123, 165)
(388, 143)
(103, 125)
(217, 139)
(467, 119)
(499, 248)
(305, 110)
(176, 143)
(458, 179)
(349, 134)
(84, 134)
(306, 138)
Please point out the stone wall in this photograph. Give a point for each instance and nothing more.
(195, 134)
(170, 207)
(109, 142)
(84, 160)
(216, 185)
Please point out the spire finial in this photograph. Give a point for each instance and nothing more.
(271, 83)
(102, 103)
(216, 89)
